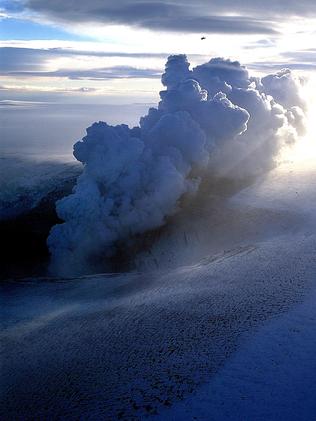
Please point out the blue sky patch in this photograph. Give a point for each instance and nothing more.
(27, 30)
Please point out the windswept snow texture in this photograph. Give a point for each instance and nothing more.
(212, 120)
(271, 377)
(131, 346)
(25, 182)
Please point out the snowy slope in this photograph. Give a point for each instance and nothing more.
(132, 346)
(271, 377)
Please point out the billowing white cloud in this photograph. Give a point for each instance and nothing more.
(214, 120)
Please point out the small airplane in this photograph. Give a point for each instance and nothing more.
(202, 38)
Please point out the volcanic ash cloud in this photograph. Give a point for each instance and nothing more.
(213, 120)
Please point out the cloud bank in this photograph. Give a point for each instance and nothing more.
(29, 62)
(177, 16)
(218, 16)
(212, 121)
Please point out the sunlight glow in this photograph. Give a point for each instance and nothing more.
(305, 149)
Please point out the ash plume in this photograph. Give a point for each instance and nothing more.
(213, 120)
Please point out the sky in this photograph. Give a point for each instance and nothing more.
(100, 51)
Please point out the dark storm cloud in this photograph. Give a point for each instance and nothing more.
(137, 10)
(210, 24)
(217, 16)
(179, 16)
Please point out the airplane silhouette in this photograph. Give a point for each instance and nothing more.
(203, 38)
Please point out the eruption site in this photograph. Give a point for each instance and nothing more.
(213, 121)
